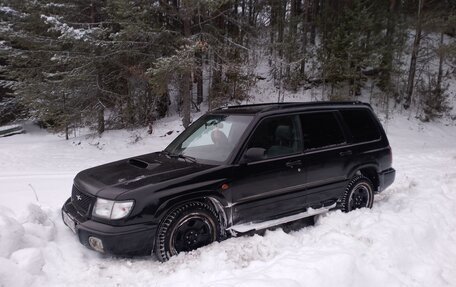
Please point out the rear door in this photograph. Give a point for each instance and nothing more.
(273, 186)
(326, 157)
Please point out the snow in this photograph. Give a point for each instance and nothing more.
(4, 46)
(8, 10)
(407, 239)
(67, 32)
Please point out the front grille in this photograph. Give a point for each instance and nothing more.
(81, 201)
(70, 209)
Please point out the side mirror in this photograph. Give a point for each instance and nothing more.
(254, 154)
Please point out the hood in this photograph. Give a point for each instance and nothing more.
(127, 174)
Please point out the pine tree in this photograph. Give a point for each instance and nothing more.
(350, 45)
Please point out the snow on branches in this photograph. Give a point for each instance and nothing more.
(66, 31)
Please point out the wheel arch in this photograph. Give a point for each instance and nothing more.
(370, 171)
(212, 198)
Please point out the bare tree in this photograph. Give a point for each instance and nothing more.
(413, 60)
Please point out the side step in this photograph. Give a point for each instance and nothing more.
(252, 226)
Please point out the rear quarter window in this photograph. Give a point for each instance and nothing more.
(320, 130)
(361, 125)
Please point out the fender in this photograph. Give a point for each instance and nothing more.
(361, 166)
(216, 199)
(373, 176)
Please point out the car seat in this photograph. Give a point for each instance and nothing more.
(283, 142)
(219, 138)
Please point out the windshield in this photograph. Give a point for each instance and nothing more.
(211, 139)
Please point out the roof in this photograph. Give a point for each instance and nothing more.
(269, 107)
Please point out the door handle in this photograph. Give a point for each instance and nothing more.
(344, 153)
(292, 164)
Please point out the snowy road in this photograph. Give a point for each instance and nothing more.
(407, 239)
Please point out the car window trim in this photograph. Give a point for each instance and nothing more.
(335, 147)
(237, 157)
(288, 156)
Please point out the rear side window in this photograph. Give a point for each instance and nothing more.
(321, 130)
(361, 125)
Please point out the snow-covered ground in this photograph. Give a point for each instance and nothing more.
(407, 239)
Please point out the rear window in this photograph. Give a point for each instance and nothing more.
(320, 130)
(361, 125)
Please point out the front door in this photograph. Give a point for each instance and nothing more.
(269, 187)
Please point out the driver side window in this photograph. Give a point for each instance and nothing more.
(278, 136)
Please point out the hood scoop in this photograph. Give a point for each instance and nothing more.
(143, 164)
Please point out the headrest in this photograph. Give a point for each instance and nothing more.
(283, 133)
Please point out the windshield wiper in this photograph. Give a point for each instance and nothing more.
(186, 157)
(182, 156)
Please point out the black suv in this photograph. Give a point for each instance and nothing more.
(234, 170)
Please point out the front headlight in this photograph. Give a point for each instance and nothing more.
(110, 209)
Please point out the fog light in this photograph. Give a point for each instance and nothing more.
(96, 244)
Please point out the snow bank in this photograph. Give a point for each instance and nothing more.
(407, 239)
(21, 243)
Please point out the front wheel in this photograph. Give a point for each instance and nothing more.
(186, 228)
(358, 194)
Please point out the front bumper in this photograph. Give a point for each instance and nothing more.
(386, 178)
(135, 239)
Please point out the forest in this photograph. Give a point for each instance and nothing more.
(112, 64)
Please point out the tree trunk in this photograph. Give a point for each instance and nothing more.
(294, 16)
(292, 30)
(216, 81)
(186, 98)
(162, 104)
(272, 24)
(387, 57)
(415, 49)
(66, 116)
(280, 18)
(305, 29)
(100, 120)
(251, 13)
(186, 90)
(199, 78)
(281, 24)
(100, 110)
(441, 59)
(313, 22)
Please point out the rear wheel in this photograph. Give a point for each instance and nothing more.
(186, 228)
(358, 194)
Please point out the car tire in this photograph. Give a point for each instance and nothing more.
(185, 228)
(358, 194)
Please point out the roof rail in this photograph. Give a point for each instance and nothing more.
(278, 106)
(317, 103)
(247, 105)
